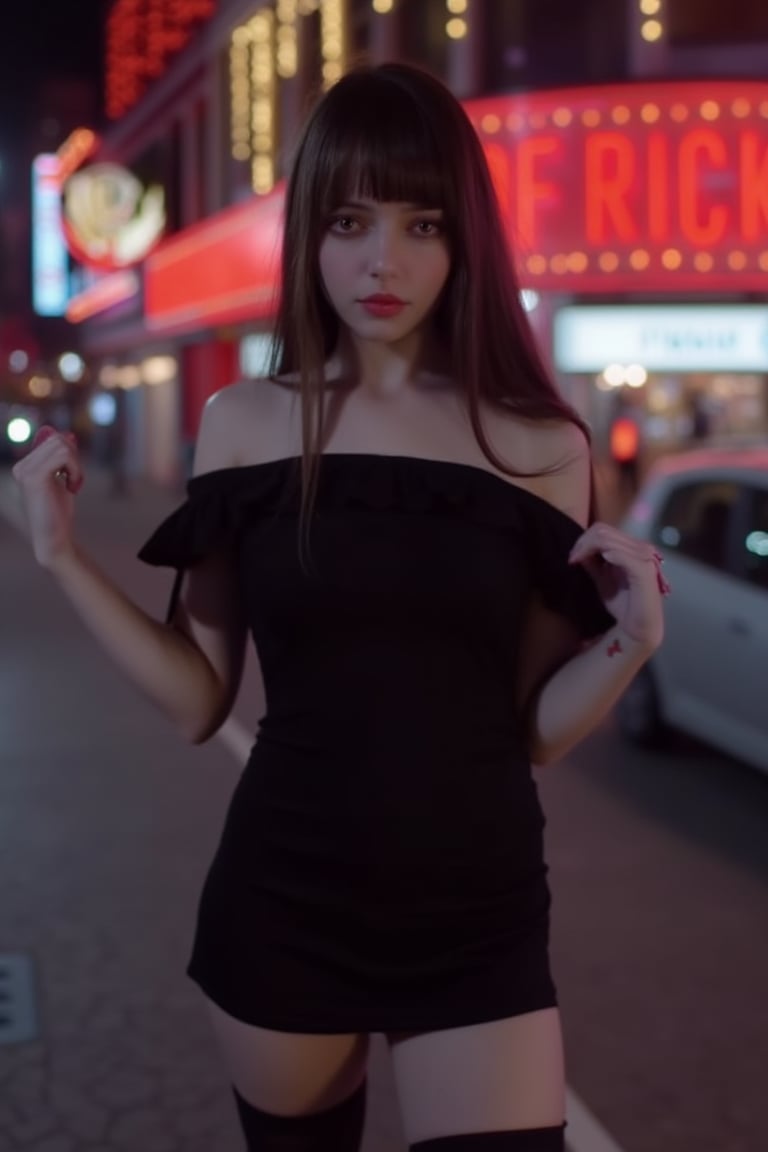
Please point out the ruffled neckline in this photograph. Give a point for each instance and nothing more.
(225, 502)
(432, 470)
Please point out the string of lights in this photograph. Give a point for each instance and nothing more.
(651, 28)
(142, 36)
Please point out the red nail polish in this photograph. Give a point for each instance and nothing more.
(663, 584)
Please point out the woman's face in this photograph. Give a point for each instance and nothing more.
(384, 265)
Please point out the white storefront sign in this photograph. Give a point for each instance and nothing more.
(696, 338)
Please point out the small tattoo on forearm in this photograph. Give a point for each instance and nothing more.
(614, 648)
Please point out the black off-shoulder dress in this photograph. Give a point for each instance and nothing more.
(381, 866)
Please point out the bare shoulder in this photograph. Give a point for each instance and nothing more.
(244, 423)
(556, 454)
(564, 452)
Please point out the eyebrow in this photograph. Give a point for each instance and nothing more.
(367, 205)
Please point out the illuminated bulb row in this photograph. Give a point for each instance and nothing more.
(153, 370)
(155, 45)
(287, 38)
(634, 375)
(139, 39)
(240, 94)
(332, 40)
(651, 28)
(122, 87)
(456, 24)
(709, 110)
(559, 264)
(261, 27)
(671, 259)
(122, 84)
(188, 11)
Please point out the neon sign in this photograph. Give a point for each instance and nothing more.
(110, 219)
(142, 36)
(50, 264)
(108, 291)
(660, 186)
(75, 150)
(219, 271)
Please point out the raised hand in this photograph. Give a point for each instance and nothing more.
(49, 477)
(628, 577)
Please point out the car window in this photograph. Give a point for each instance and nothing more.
(755, 559)
(695, 521)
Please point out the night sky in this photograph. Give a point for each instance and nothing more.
(36, 38)
(39, 39)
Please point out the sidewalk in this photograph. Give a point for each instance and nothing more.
(107, 824)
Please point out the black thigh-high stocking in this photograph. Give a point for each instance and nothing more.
(339, 1128)
(519, 1140)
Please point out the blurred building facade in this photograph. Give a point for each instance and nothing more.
(629, 145)
(29, 344)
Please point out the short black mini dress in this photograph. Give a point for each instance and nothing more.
(381, 867)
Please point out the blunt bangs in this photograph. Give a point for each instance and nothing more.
(375, 142)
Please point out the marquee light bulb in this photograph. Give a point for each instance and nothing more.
(652, 31)
(456, 28)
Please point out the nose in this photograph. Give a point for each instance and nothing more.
(384, 252)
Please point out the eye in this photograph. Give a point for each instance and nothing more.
(428, 228)
(344, 224)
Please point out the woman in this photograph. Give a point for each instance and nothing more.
(401, 516)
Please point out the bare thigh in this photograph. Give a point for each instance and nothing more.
(500, 1076)
(288, 1073)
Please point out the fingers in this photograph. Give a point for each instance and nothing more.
(626, 559)
(602, 544)
(615, 560)
(601, 539)
(53, 458)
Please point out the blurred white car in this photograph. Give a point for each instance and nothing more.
(707, 513)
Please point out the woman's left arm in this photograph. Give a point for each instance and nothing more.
(581, 690)
(574, 700)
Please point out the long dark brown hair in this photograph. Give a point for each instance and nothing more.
(394, 133)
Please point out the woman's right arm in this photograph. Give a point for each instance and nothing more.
(191, 667)
(160, 659)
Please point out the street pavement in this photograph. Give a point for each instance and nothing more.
(107, 824)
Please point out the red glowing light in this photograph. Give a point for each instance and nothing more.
(610, 178)
(142, 36)
(105, 293)
(222, 270)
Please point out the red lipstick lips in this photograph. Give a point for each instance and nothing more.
(382, 304)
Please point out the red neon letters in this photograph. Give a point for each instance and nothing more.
(643, 181)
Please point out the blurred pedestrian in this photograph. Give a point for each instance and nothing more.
(400, 515)
(701, 420)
